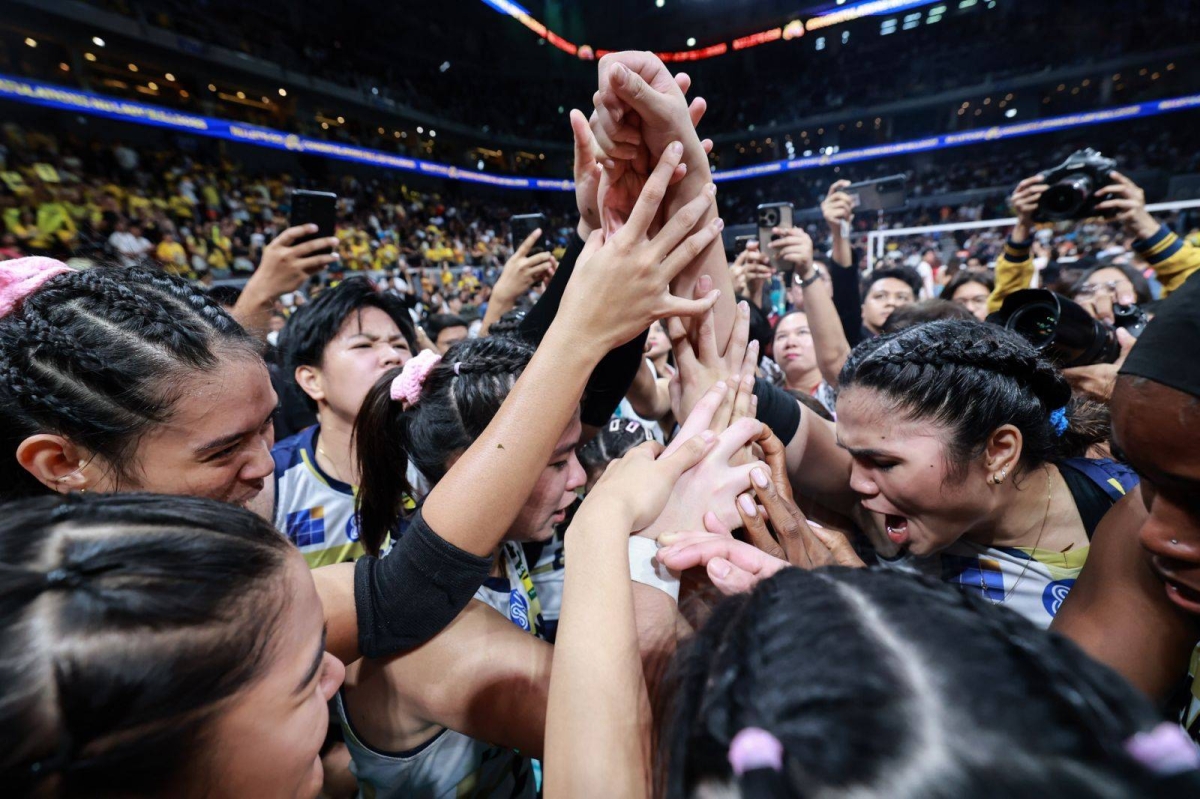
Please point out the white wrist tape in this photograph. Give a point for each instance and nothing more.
(644, 568)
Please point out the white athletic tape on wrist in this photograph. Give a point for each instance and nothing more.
(644, 568)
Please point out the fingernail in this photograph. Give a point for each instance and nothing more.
(747, 505)
(759, 477)
(665, 539)
(719, 223)
(718, 568)
(711, 188)
(676, 147)
(337, 256)
(620, 73)
(754, 346)
(333, 242)
(708, 436)
(682, 168)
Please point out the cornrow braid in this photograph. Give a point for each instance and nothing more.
(126, 629)
(100, 356)
(972, 379)
(878, 683)
(459, 398)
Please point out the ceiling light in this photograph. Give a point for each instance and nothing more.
(170, 78)
(691, 42)
(96, 40)
(283, 92)
(31, 42)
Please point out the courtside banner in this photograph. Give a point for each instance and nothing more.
(49, 95)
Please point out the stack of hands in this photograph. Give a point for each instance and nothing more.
(641, 175)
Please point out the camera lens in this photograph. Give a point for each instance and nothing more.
(1035, 323)
(1064, 199)
(771, 218)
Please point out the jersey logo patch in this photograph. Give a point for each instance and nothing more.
(518, 610)
(352, 528)
(307, 527)
(1055, 593)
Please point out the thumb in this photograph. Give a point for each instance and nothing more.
(527, 245)
(585, 142)
(630, 88)
(1126, 340)
(688, 455)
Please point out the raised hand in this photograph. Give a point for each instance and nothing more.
(838, 206)
(733, 566)
(622, 283)
(795, 540)
(640, 484)
(523, 271)
(705, 496)
(1126, 203)
(699, 360)
(1024, 202)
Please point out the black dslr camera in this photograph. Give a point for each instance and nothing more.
(1062, 331)
(1073, 185)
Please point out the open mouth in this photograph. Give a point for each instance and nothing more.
(897, 528)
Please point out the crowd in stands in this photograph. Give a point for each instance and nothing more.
(673, 519)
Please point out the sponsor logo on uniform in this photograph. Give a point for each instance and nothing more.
(1055, 593)
(518, 610)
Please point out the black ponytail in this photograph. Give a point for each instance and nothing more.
(459, 398)
(972, 379)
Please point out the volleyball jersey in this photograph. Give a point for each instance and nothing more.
(315, 510)
(448, 766)
(1033, 582)
(452, 764)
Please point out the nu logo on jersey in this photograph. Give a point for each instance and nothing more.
(518, 610)
(1055, 593)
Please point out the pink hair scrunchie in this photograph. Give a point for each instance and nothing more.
(754, 748)
(21, 277)
(407, 385)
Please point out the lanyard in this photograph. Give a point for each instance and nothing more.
(525, 614)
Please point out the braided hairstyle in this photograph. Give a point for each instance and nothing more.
(99, 357)
(459, 397)
(971, 378)
(881, 684)
(128, 622)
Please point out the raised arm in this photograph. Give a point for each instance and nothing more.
(1014, 267)
(829, 339)
(636, 85)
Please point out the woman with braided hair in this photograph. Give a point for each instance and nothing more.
(834, 682)
(156, 645)
(949, 450)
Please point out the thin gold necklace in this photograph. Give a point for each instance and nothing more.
(1029, 561)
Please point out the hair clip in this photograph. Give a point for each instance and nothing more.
(21, 277)
(407, 385)
(1164, 750)
(457, 364)
(1059, 420)
(754, 748)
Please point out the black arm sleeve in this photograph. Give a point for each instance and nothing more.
(777, 409)
(413, 593)
(614, 374)
(847, 300)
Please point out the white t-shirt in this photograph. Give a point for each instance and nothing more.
(129, 247)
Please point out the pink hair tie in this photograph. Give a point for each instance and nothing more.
(1165, 750)
(21, 277)
(407, 385)
(753, 749)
